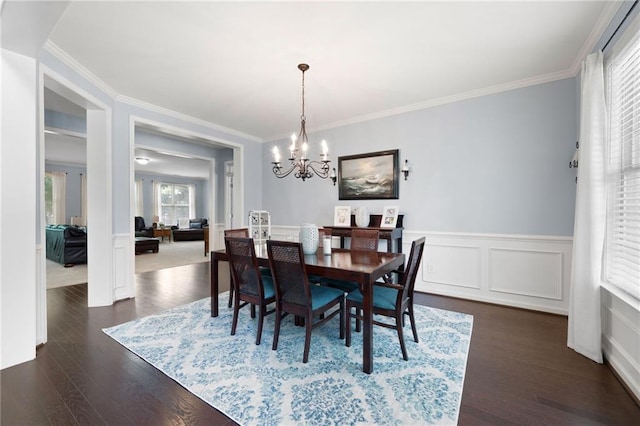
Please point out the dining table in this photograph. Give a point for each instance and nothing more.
(363, 267)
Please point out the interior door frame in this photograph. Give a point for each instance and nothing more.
(182, 132)
(99, 205)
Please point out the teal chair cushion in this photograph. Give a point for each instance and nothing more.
(322, 295)
(269, 289)
(265, 271)
(346, 286)
(383, 297)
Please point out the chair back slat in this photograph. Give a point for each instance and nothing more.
(237, 233)
(411, 271)
(364, 239)
(289, 272)
(244, 265)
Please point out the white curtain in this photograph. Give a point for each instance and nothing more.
(192, 201)
(59, 197)
(584, 333)
(138, 198)
(156, 199)
(83, 195)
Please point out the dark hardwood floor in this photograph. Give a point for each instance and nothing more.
(519, 369)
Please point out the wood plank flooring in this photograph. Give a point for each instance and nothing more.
(519, 369)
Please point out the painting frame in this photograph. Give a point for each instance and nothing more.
(370, 176)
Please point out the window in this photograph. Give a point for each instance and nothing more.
(622, 250)
(55, 197)
(48, 198)
(176, 201)
(138, 196)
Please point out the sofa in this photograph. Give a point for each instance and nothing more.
(66, 244)
(195, 231)
(140, 229)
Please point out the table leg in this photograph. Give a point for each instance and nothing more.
(214, 286)
(367, 328)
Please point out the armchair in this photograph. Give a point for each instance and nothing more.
(141, 230)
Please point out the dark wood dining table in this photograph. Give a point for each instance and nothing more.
(357, 266)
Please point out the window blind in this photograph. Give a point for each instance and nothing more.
(622, 251)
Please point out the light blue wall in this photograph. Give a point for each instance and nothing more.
(61, 120)
(492, 164)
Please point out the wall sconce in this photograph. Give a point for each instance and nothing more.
(574, 161)
(405, 169)
(333, 176)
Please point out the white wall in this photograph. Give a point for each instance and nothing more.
(18, 206)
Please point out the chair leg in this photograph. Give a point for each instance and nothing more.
(347, 341)
(276, 331)
(234, 322)
(307, 340)
(253, 310)
(358, 312)
(231, 291)
(342, 319)
(412, 319)
(262, 310)
(401, 337)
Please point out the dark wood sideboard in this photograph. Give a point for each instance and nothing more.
(391, 235)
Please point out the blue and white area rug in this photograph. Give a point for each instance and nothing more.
(255, 385)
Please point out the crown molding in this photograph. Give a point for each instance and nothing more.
(65, 58)
(519, 84)
(596, 34)
(76, 66)
(184, 117)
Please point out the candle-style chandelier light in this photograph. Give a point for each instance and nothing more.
(302, 167)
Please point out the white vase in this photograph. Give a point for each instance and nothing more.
(362, 217)
(309, 237)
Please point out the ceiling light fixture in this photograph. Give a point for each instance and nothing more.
(300, 163)
(142, 160)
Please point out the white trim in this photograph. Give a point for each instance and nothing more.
(596, 34)
(185, 133)
(491, 90)
(65, 58)
(184, 117)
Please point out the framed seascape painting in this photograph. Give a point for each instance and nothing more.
(371, 176)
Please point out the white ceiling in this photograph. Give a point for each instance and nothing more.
(235, 63)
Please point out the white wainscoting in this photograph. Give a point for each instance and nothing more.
(621, 335)
(123, 262)
(524, 271)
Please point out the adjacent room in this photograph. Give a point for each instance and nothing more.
(320, 213)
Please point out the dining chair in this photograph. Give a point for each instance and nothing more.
(296, 296)
(361, 240)
(364, 239)
(251, 287)
(391, 300)
(241, 233)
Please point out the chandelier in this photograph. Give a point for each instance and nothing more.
(301, 166)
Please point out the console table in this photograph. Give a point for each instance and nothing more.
(388, 234)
